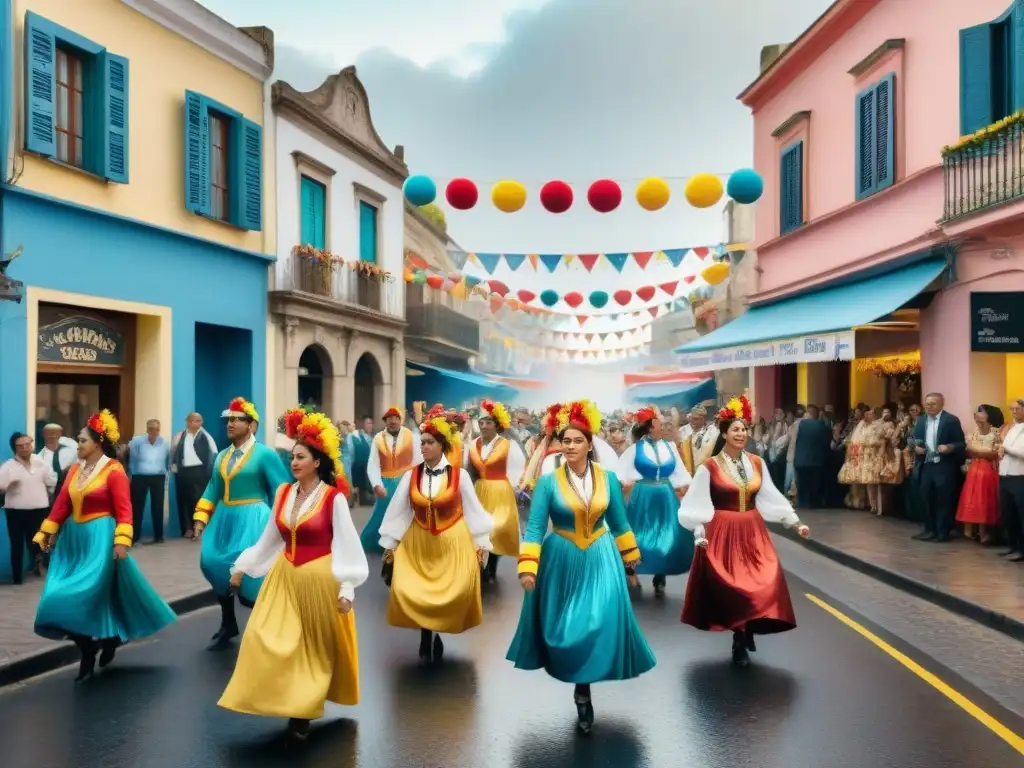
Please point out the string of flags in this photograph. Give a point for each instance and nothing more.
(490, 262)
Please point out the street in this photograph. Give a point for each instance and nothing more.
(821, 695)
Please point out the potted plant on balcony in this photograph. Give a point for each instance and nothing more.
(315, 267)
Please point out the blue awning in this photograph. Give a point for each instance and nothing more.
(814, 327)
(456, 388)
(683, 395)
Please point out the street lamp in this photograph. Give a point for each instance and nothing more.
(10, 290)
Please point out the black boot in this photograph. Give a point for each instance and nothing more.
(749, 639)
(659, 585)
(438, 649)
(298, 729)
(491, 570)
(108, 648)
(228, 625)
(584, 708)
(87, 665)
(740, 657)
(426, 636)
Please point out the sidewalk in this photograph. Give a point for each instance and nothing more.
(961, 576)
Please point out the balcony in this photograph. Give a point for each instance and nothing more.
(984, 174)
(339, 283)
(443, 328)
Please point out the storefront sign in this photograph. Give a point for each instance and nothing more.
(81, 340)
(803, 349)
(997, 322)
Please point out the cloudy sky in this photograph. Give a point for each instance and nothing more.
(547, 89)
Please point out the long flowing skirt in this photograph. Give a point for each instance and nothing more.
(297, 651)
(232, 529)
(436, 581)
(578, 624)
(498, 498)
(737, 582)
(665, 546)
(88, 593)
(979, 499)
(370, 537)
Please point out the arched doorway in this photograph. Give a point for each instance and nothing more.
(315, 377)
(368, 380)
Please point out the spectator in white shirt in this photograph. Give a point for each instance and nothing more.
(1011, 482)
(192, 456)
(59, 452)
(27, 482)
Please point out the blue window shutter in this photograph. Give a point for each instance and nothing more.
(864, 145)
(367, 233)
(40, 85)
(1016, 63)
(320, 217)
(791, 183)
(885, 131)
(197, 154)
(312, 199)
(976, 102)
(115, 92)
(247, 179)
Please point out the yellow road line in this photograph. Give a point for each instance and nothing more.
(1000, 730)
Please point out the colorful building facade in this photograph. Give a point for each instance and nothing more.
(134, 197)
(880, 241)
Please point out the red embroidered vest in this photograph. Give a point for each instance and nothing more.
(444, 510)
(495, 466)
(311, 537)
(729, 495)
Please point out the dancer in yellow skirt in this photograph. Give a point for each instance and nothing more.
(435, 536)
(496, 463)
(299, 648)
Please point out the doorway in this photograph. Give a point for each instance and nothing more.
(69, 399)
(368, 380)
(315, 378)
(223, 372)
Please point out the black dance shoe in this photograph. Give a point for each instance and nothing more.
(87, 664)
(740, 657)
(438, 649)
(107, 650)
(298, 730)
(223, 637)
(659, 585)
(584, 709)
(425, 650)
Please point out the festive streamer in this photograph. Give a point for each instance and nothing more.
(551, 261)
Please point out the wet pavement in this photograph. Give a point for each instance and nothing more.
(822, 695)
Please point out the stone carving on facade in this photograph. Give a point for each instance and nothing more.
(319, 336)
(289, 326)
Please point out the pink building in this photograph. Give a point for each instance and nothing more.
(882, 236)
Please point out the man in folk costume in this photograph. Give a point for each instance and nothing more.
(496, 464)
(395, 451)
(697, 439)
(233, 512)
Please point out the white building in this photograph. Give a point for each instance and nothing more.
(337, 333)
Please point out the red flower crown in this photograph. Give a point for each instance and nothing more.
(736, 408)
(550, 420)
(644, 415)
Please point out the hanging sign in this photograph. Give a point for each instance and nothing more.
(80, 339)
(803, 349)
(997, 322)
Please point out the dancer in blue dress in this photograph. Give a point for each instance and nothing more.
(576, 621)
(95, 594)
(231, 515)
(655, 479)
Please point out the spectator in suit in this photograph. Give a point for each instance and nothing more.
(939, 449)
(811, 456)
(193, 453)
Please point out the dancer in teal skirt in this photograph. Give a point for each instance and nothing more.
(95, 594)
(577, 622)
(394, 452)
(231, 515)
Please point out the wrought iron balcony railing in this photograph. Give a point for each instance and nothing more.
(984, 173)
(434, 321)
(339, 282)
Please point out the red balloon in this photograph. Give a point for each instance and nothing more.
(604, 196)
(646, 293)
(526, 296)
(623, 297)
(556, 197)
(461, 194)
(573, 299)
(498, 287)
(435, 281)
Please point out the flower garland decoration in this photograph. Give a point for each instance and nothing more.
(581, 413)
(895, 365)
(550, 421)
(366, 269)
(242, 406)
(736, 408)
(104, 424)
(439, 428)
(980, 137)
(644, 415)
(317, 431)
(498, 412)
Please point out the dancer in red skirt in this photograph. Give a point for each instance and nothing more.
(736, 583)
(979, 499)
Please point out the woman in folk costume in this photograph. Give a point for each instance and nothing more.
(654, 480)
(736, 584)
(94, 593)
(577, 622)
(495, 463)
(299, 648)
(233, 512)
(456, 422)
(394, 452)
(435, 536)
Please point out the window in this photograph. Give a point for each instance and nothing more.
(991, 71)
(791, 188)
(367, 232)
(875, 131)
(313, 198)
(223, 163)
(76, 100)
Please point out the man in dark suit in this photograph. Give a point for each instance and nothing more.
(939, 448)
(810, 457)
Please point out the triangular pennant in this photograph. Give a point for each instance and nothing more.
(642, 258)
(514, 260)
(589, 337)
(472, 282)
(581, 319)
(675, 255)
(588, 259)
(489, 261)
(472, 259)
(532, 258)
(603, 336)
(618, 260)
(670, 288)
(689, 279)
(551, 260)
(701, 251)
(567, 258)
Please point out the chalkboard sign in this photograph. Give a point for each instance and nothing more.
(80, 340)
(997, 322)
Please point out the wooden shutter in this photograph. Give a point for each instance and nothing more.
(115, 95)
(864, 148)
(976, 97)
(885, 132)
(40, 85)
(197, 154)
(248, 178)
(791, 183)
(367, 233)
(312, 201)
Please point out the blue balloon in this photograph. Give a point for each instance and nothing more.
(598, 299)
(549, 298)
(745, 186)
(420, 190)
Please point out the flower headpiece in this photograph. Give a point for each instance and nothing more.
(737, 408)
(582, 414)
(550, 419)
(439, 427)
(498, 412)
(643, 415)
(317, 431)
(104, 424)
(436, 412)
(394, 410)
(241, 408)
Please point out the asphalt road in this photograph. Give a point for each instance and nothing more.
(822, 695)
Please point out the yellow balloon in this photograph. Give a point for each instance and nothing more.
(716, 273)
(459, 291)
(653, 194)
(704, 190)
(508, 196)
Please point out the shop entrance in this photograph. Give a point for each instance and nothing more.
(69, 399)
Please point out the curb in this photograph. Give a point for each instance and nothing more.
(990, 618)
(54, 658)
